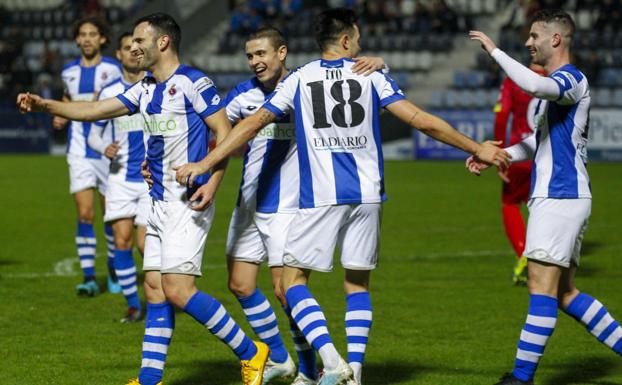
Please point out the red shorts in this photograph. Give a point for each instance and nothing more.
(517, 191)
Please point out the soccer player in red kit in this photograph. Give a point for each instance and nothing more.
(520, 106)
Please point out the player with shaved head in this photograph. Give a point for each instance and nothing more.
(561, 199)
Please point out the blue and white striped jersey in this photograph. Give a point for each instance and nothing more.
(337, 130)
(174, 113)
(270, 179)
(83, 84)
(128, 131)
(559, 169)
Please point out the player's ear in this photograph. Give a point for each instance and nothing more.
(282, 52)
(556, 39)
(345, 41)
(118, 55)
(163, 42)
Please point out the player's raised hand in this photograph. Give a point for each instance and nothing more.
(186, 174)
(487, 44)
(111, 150)
(367, 65)
(29, 103)
(144, 171)
(203, 197)
(58, 123)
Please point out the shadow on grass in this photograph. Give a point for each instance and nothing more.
(590, 247)
(201, 372)
(584, 371)
(8, 262)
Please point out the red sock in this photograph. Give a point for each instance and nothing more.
(514, 227)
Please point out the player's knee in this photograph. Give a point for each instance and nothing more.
(122, 243)
(85, 215)
(239, 288)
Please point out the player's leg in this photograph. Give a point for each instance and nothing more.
(311, 242)
(125, 267)
(307, 367)
(86, 242)
(359, 241)
(113, 285)
(245, 253)
(159, 327)
(553, 228)
(184, 234)
(588, 310)
(514, 194)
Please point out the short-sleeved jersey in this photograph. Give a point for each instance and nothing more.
(270, 179)
(174, 113)
(83, 84)
(559, 169)
(128, 131)
(337, 130)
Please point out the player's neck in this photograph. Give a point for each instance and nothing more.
(91, 61)
(270, 85)
(132, 77)
(556, 62)
(334, 54)
(165, 69)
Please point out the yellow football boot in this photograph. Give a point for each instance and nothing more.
(252, 370)
(134, 381)
(519, 274)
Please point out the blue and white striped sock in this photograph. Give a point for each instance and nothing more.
(126, 273)
(538, 328)
(306, 354)
(311, 320)
(262, 319)
(110, 244)
(159, 326)
(86, 244)
(358, 324)
(209, 312)
(593, 314)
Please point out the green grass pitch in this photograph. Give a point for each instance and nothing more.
(445, 312)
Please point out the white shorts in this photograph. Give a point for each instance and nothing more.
(127, 200)
(256, 237)
(314, 233)
(175, 237)
(86, 173)
(555, 230)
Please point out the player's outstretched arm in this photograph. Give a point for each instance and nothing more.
(82, 111)
(437, 128)
(541, 87)
(204, 196)
(244, 131)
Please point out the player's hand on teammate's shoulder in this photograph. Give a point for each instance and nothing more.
(144, 171)
(186, 174)
(27, 102)
(485, 41)
(367, 65)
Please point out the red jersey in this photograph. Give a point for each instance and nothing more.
(514, 101)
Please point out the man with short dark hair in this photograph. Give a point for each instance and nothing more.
(127, 196)
(267, 203)
(561, 199)
(178, 104)
(341, 179)
(83, 78)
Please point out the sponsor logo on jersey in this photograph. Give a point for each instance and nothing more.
(161, 126)
(129, 123)
(283, 131)
(104, 76)
(172, 91)
(340, 143)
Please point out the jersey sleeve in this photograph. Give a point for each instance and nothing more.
(204, 97)
(131, 97)
(281, 101)
(233, 107)
(502, 110)
(387, 89)
(569, 90)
